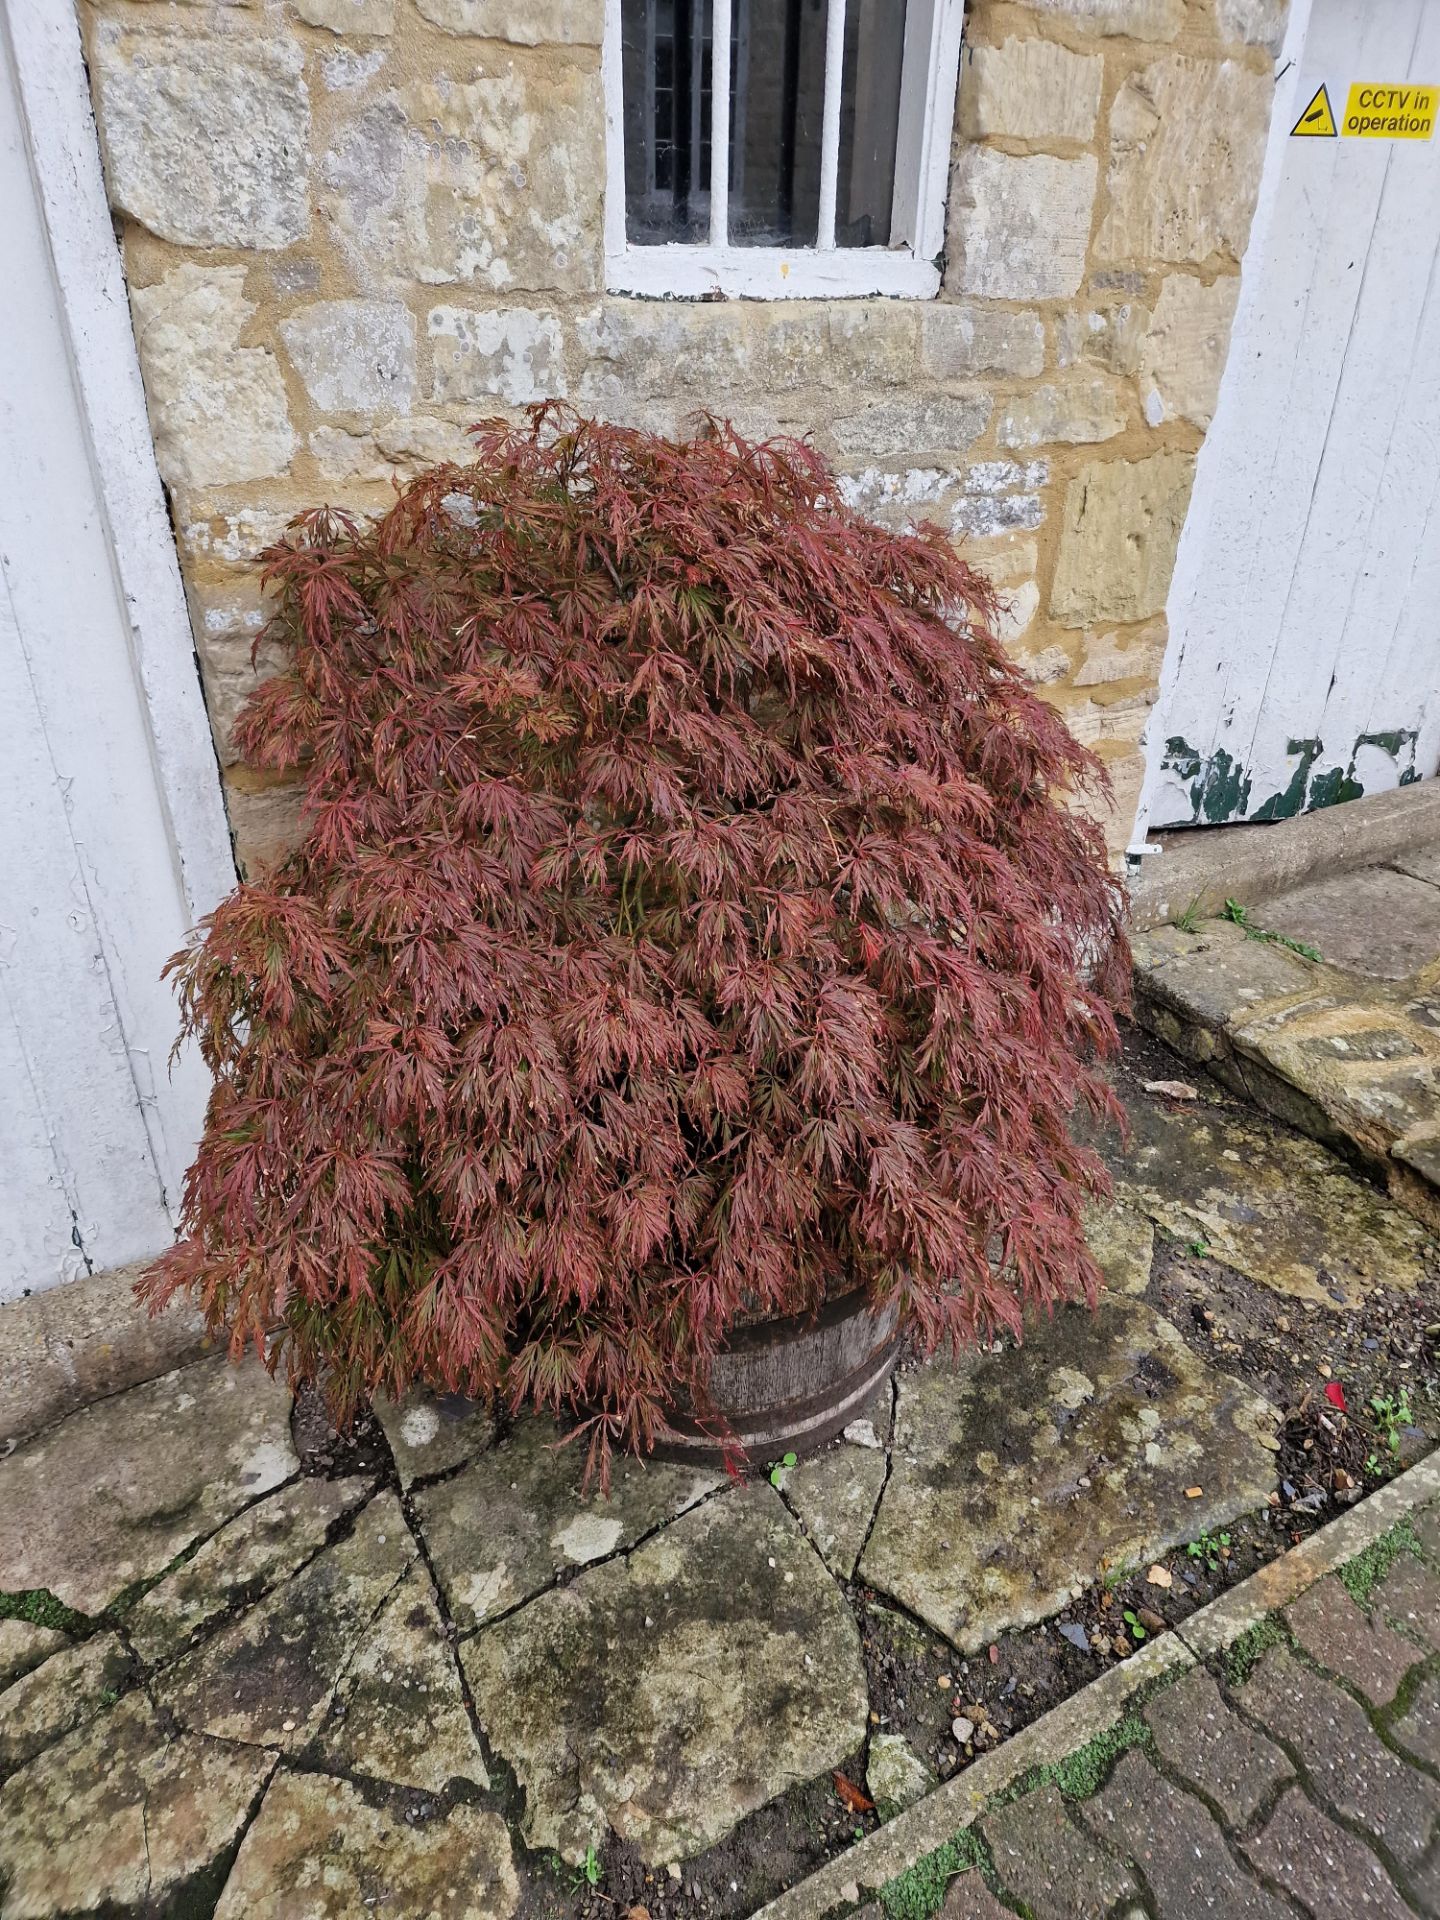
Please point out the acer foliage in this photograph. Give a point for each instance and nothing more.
(687, 926)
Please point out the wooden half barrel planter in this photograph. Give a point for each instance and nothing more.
(787, 1386)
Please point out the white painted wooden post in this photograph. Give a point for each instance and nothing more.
(112, 832)
(1303, 607)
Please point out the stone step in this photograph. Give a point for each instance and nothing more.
(1348, 1052)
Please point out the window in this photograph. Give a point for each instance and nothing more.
(832, 177)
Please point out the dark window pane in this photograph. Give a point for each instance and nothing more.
(665, 67)
(777, 97)
(869, 121)
(778, 90)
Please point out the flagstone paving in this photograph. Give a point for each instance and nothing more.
(1016, 1475)
(291, 1678)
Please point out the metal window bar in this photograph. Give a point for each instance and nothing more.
(720, 124)
(830, 125)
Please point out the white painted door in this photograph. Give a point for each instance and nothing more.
(1304, 658)
(112, 834)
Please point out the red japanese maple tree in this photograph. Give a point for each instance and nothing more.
(688, 925)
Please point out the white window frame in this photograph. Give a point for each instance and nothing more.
(906, 268)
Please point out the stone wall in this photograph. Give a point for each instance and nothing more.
(353, 226)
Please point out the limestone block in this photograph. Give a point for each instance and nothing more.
(1120, 721)
(1017, 609)
(873, 343)
(960, 340)
(394, 447)
(516, 354)
(1031, 89)
(1141, 19)
(231, 675)
(206, 134)
(354, 356)
(1019, 226)
(631, 348)
(1182, 355)
(1117, 546)
(217, 409)
(562, 23)
(1073, 411)
(348, 16)
(1000, 496)
(903, 495)
(1259, 22)
(1110, 657)
(1010, 568)
(229, 540)
(496, 179)
(913, 424)
(1186, 140)
(1046, 668)
(1108, 336)
(265, 826)
(344, 70)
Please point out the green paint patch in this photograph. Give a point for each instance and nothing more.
(1363, 1574)
(920, 1891)
(40, 1608)
(1242, 1656)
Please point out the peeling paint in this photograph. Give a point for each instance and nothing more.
(1220, 788)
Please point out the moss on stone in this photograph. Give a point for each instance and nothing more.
(1244, 1654)
(1363, 1574)
(40, 1608)
(920, 1891)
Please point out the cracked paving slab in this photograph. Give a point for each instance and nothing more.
(269, 1678)
(1282, 1211)
(429, 1433)
(266, 1543)
(64, 1692)
(666, 1695)
(120, 1814)
(508, 1525)
(1017, 1476)
(117, 1490)
(398, 1713)
(320, 1850)
(23, 1646)
(834, 1495)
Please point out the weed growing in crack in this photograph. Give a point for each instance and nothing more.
(1240, 916)
(1211, 1550)
(781, 1467)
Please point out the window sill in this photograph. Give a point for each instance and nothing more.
(770, 273)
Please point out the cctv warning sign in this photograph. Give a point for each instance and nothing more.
(1377, 111)
(1317, 122)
